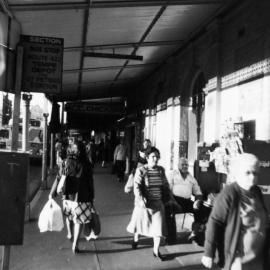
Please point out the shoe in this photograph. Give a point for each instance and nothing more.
(75, 249)
(192, 237)
(69, 237)
(134, 244)
(158, 256)
(91, 236)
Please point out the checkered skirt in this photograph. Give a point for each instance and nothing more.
(79, 212)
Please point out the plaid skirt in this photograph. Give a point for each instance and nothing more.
(78, 212)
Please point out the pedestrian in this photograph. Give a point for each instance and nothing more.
(183, 185)
(151, 191)
(78, 194)
(121, 160)
(91, 152)
(239, 221)
(141, 159)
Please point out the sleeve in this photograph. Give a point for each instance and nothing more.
(115, 153)
(170, 179)
(138, 180)
(217, 221)
(166, 188)
(196, 190)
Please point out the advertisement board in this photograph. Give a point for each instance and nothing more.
(42, 64)
(13, 182)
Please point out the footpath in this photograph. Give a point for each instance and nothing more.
(112, 250)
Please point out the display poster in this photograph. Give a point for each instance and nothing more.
(42, 64)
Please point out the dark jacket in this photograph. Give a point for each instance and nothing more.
(79, 184)
(224, 224)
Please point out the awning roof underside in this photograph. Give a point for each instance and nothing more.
(152, 29)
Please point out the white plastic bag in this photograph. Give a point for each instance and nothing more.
(50, 218)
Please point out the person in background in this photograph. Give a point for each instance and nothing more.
(220, 157)
(141, 159)
(91, 152)
(151, 191)
(239, 221)
(183, 185)
(120, 159)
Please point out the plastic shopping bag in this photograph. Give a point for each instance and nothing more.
(50, 218)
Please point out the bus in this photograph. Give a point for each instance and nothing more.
(35, 138)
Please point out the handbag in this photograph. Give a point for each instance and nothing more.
(61, 187)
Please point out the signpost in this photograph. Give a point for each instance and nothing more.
(42, 64)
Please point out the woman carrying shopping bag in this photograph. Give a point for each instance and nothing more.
(151, 191)
(78, 193)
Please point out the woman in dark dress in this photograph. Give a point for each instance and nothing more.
(79, 192)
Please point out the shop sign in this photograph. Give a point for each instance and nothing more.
(42, 64)
(94, 108)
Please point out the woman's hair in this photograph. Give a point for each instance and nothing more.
(240, 161)
(151, 150)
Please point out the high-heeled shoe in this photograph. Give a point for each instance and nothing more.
(69, 237)
(75, 249)
(158, 256)
(134, 244)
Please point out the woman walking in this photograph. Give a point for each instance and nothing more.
(151, 191)
(79, 192)
(238, 223)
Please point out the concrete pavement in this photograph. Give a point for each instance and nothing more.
(112, 250)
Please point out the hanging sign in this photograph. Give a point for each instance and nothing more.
(94, 108)
(42, 64)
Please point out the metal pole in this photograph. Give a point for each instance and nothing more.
(25, 135)
(51, 152)
(25, 147)
(44, 155)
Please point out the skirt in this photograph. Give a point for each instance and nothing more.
(148, 221)
(78, 212)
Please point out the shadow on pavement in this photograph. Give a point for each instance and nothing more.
(172, 256)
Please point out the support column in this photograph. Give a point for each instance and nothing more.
(26, 117)
(25, 147)
(44, 155)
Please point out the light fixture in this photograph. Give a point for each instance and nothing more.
(114, 56)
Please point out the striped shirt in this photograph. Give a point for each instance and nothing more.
(155, 184)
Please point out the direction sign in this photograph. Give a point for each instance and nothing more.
(42, 64)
